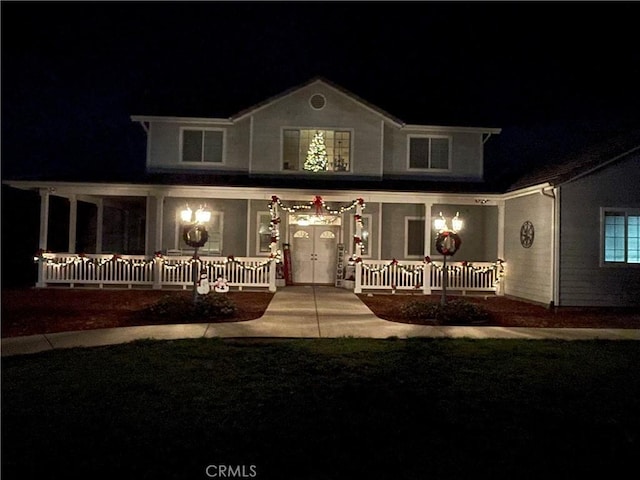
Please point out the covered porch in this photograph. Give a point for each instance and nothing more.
(129, 236)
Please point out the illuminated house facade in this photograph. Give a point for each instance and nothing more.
(317, 186)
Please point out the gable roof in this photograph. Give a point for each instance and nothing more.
(317, 80)
(588, 160)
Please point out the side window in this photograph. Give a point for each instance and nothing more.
(414, 237)
(264, 233)
(621, 236)
(365, 236)
(202, 146)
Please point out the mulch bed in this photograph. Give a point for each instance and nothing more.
(50, 310)
(36, 311)
(508, 312)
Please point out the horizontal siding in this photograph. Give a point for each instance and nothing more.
(583, 281)
(528, 270)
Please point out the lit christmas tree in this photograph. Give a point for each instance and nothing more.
(317, 154)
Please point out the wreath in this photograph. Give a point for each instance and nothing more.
(195, 236)
(448, 243)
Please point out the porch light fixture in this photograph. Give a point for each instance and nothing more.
(441, 223)
(447, 243)
(195, 235)
(202, 215)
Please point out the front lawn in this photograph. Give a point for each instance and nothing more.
(324, 409)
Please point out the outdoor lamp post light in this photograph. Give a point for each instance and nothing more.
(447, 243)
(195, 235)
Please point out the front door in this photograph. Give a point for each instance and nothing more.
(313, 253)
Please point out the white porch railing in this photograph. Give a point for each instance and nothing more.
(412, 275)
(158, 272)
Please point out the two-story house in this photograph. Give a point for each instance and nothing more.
(317, 186)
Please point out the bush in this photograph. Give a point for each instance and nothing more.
(182, 309)
(454, 312)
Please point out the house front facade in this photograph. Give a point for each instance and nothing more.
(313, 186)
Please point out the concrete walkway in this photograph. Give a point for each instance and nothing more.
(301, 312)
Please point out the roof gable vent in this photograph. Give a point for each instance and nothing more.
(317, 101)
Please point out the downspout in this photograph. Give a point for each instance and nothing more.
(554, 194)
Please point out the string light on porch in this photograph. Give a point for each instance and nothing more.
(320, 206)
(465, 266)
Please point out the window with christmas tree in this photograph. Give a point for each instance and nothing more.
(316, 150)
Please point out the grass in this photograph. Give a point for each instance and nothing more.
(324, 409)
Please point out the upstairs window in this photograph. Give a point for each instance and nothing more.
(621, 232)
(429, 153)
(201, 146)
(316, 150)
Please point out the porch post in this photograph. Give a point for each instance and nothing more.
(73, 220)
(358, 250)
(426, 282)
(500, 286)
(273, 246)
(44, 231)
(157, 241)
(99, 224)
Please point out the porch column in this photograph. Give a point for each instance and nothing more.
(358, 249)
(44, 231)
(99, 224)
(273, 246)
(501, 213)
(426, 282)
(157, 238)
(73, 221)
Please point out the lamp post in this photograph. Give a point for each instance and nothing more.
(447, 243)
(195, 235)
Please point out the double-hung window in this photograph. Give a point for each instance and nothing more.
(316, 150)
(429, 153)
(621, 236)
(201, 146)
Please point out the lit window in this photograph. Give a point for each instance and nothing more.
(316, 150)
(202, 146)
(621, 232)
(429, 153)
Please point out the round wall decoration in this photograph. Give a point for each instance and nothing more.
(526, 234)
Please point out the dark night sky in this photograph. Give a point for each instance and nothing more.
(73, 73)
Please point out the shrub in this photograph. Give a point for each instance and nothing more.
(182, 309)
(454, 312)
